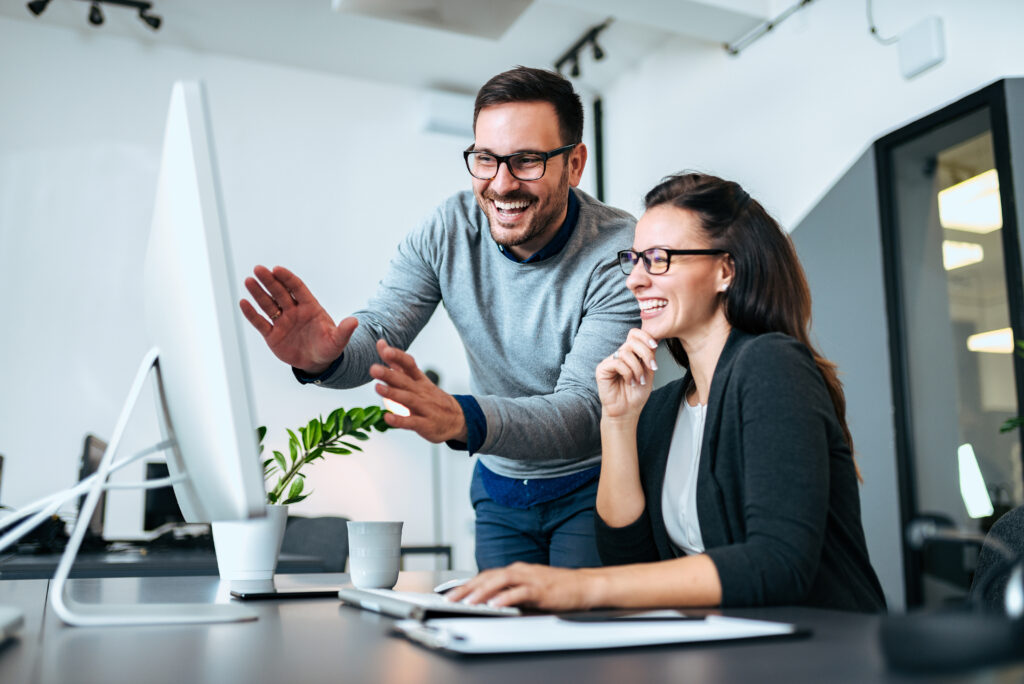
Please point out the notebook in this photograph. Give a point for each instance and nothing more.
(552, 633)
(416, 606)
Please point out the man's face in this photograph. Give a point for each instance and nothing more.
(525, 215)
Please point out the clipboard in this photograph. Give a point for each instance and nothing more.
(474, 636)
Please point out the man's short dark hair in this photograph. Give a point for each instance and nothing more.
(524, 84)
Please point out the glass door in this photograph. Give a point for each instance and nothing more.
(953, 289)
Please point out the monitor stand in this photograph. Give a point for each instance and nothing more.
(107, 614)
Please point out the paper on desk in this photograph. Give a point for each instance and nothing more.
(548, 633)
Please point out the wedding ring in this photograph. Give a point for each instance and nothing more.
(274, 317)
(615, 355)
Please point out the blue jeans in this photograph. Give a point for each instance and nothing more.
(558, 532)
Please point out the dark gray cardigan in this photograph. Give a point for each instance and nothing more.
(776, 488)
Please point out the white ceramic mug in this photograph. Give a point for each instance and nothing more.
(374, 553)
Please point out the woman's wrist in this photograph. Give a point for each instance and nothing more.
(626, 422)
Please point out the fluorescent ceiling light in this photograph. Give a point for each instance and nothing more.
(994, 341)
(960, 254)
(972, 205)
(972, 484)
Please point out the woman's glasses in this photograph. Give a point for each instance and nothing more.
(656, 260)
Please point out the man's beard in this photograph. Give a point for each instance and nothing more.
(541, 221)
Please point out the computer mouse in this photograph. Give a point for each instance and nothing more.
(450, 584)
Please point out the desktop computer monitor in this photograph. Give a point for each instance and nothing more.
(194, 322)
(199, 357)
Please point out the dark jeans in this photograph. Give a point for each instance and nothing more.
(559, 532)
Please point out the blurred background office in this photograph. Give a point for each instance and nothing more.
(338, 125)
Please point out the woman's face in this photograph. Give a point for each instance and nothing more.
(684, 300)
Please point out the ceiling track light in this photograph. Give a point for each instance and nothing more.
(153, 21)
(571, 57)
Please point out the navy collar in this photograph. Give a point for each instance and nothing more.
(572, 215)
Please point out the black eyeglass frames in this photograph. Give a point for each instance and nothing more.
(656, 260)
(524, 166)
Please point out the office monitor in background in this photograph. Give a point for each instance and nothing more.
(200, 367)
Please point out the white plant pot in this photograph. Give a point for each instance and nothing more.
(248, 549)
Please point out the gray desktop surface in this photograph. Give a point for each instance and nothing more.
(321, 640)
(137, 562)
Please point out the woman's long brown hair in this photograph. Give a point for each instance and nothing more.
(769, 291)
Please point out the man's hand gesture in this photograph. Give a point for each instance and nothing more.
(300, 332)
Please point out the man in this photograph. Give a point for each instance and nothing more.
(525, 266)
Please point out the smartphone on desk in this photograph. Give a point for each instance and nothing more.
(291, 593)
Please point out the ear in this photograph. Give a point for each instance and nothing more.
(577, 160)
(725, 273)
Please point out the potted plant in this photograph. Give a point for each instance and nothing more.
(248, 549)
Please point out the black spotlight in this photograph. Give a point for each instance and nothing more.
(95, 15)
(37, 7)
(598, 52)
(575, 71)
(151, 19)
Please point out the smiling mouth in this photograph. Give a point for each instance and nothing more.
(652, 305)
(510, 210)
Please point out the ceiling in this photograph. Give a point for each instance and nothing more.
(450, 45)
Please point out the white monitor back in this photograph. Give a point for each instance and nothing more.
(194, 322)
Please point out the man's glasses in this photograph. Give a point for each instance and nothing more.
(656, 259)
(524, 166)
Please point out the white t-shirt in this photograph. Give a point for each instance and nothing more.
(679, 493)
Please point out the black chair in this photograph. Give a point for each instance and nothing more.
(325, 537)
(1003, 549)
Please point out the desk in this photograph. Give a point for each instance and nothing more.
(321, 640)
(138, 563)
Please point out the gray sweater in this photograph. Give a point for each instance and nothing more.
(533, 333)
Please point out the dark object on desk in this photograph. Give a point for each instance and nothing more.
(48, 536)
(285, 594)
(170, 540)
(93, 449)
(325, 537)
(951, 640)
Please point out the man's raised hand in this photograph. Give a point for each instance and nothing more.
(299, 331)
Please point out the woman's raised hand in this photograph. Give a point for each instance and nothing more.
(624, 379)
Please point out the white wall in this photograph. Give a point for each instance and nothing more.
(787, 118)
(789, 114)
(323, 174)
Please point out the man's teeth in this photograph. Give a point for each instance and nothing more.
(511, 206)
(653, 304)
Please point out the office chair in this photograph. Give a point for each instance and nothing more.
(325, 537)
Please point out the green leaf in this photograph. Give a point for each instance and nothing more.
(1012, 424)
(337, 450)
(261, 432)
(353, 446)
(296, 488)
(346, 424)
(358, 416)
(271, 497)
(296, 499)
(373, 414)
(293, 449)
(318, 431)
(293, 439)
(361, 436)
(267, 462)
(279, 457)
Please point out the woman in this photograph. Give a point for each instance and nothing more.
(736, 485)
